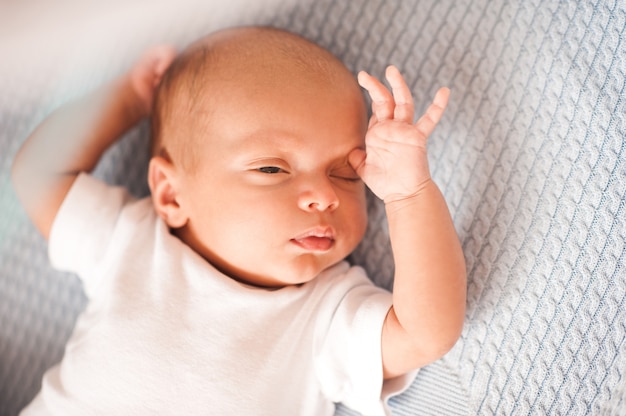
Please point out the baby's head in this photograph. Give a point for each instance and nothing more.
(252, 129)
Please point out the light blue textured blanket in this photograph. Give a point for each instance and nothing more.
(530, 156)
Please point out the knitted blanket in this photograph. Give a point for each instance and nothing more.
(530, 156)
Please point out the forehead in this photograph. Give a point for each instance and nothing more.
(283, 111)
(242, 93)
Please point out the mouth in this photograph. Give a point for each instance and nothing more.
(317, 239)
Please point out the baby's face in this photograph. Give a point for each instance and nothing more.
(273, 200)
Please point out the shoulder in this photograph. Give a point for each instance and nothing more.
(343, 281)
(90, 222)
(346, 291)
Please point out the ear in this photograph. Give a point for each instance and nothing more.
(163, 182)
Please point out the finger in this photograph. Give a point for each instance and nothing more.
(382, 100)
(356, 159)
(147, 72)
(163, 57)
(426, 124)
(372, 121)
(404, 108)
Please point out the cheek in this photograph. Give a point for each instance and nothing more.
(237, 231)
(250, 213)
(356, 214)
(361, 221)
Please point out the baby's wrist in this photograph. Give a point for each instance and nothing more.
(397, 200)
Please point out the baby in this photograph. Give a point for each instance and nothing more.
(226, 291)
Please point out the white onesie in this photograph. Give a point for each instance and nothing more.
(165, 333)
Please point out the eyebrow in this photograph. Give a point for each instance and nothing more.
(281, 144)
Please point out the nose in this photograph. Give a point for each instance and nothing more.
(318, 195)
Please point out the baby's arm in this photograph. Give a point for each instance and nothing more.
(429, 290)
(74, 137)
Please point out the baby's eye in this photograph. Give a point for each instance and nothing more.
(270, 169)
(349, 178)
(346, 174)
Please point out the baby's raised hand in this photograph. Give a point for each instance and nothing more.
(394, 164)
(147, 72)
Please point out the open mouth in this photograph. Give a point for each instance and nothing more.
(319, 239)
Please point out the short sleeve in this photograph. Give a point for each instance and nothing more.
(349, 359)
(84, 225)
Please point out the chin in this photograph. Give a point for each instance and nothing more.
(305, 271)
(276, 279)
(301, 270)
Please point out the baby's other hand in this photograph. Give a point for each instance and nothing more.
(394, 164)
(146, 74)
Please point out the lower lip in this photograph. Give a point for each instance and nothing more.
(314, 243)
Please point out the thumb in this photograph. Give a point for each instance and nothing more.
(164, 55)
(356, 159)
